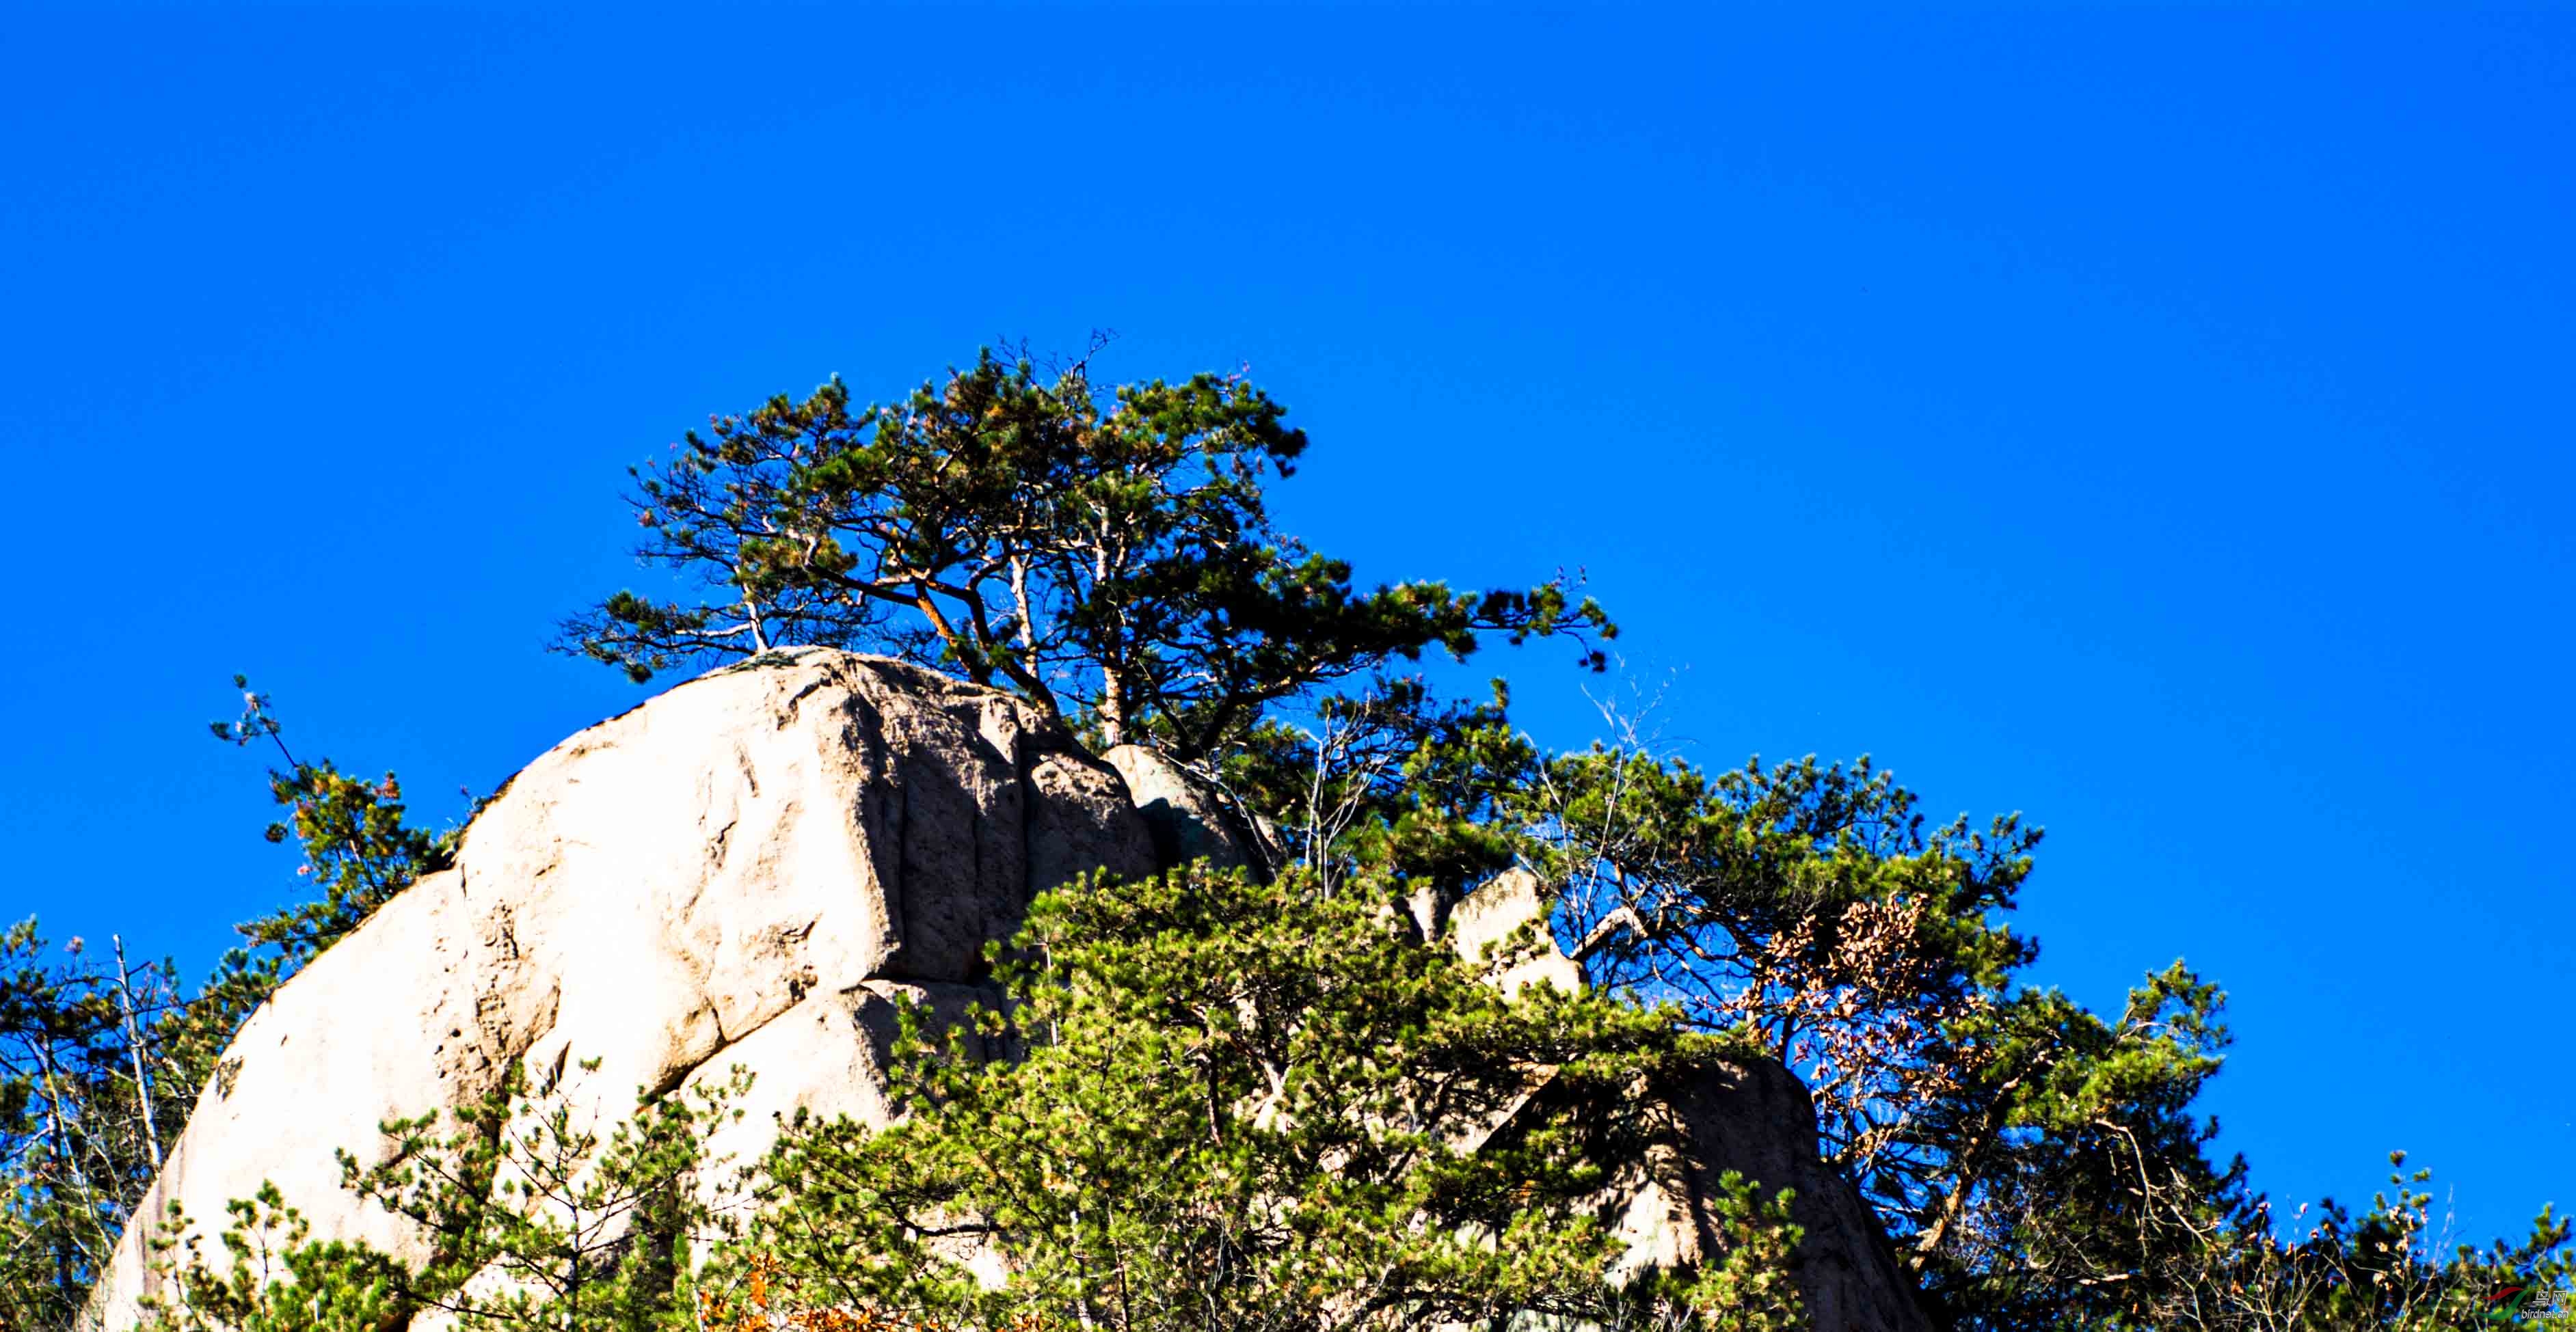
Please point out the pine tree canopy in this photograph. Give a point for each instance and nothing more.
(1242, 1105)
(1107, 554)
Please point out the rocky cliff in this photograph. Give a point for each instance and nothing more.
(750, 870)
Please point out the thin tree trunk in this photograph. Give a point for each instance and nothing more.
(64, 1166)
(134, 1051)
(1113, 706)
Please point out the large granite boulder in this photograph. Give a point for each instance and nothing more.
(749, 869)
(755, 869)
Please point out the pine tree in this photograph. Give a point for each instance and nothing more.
(1107, 554)
(533, 1218)
(102, 1056)
(1244, 1105)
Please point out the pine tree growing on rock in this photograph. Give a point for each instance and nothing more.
(1250, 1106)
(1104, 552)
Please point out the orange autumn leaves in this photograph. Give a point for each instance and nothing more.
(762, 1305)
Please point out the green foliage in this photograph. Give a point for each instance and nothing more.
(101, 1058)
(2038, 1164)
(1392, 783)
(1235, 1105)
(2325, 1270)
(358, 853)
(1811, 905)
(91, 1096)
(1246, 1106)
(531, 1219)
(1109, 556)
(2065, 1181)
(1746, 1286)
(275, 1278)
(2000, 1132)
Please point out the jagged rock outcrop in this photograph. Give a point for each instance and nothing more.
(1757, 1119)
(1486, 925)
(748, 870)
(1752, 1117)
(1189, 818)
(753, 869)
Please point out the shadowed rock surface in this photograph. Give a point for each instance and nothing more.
(1188, 817)
(1754, 1118)
(754, 869)
(1759, 1121)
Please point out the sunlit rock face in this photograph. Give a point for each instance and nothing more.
(749, 869)
(755, 869)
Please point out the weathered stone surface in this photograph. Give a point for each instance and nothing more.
(1483, 926)
(1189, 817)
(1757, 1119)
(748, 869)
(756, 868)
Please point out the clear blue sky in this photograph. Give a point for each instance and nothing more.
(2157, 422)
